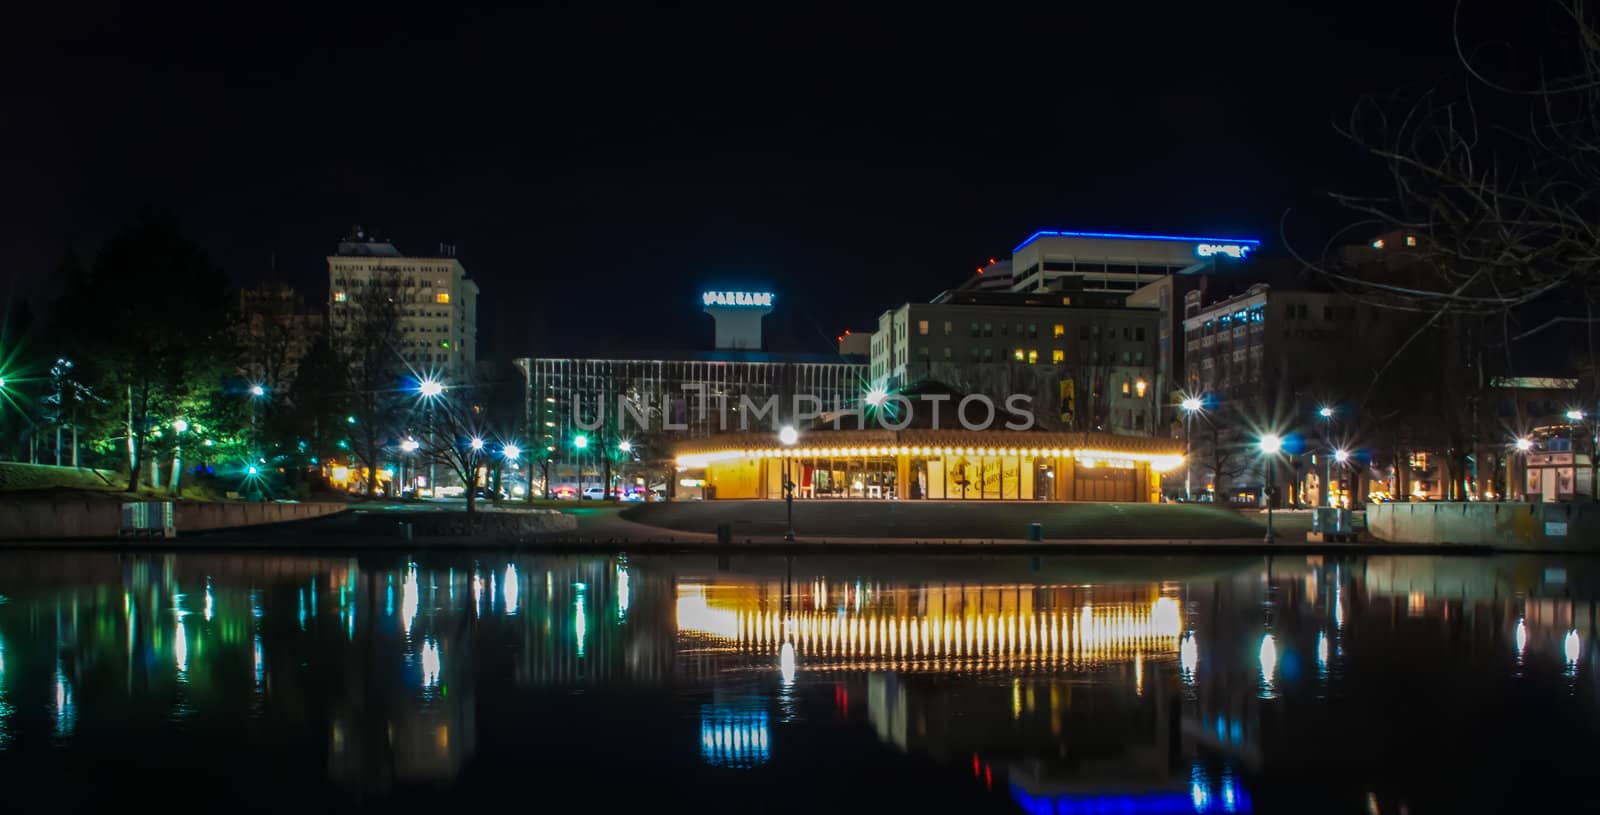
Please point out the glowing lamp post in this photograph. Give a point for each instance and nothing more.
(787, 436)
(1270, 444)
(1191, 405)
(580, 443)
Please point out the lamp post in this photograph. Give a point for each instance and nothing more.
(1524, 444)
(580, 443)
(1271, 443)
(431, 390)
(1324, 493)
(787, 437)
(1191, 405)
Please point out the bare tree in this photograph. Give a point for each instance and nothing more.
(365, 332)
(1490, 232)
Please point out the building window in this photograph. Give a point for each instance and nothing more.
(947, 352)
(1140, 387)
(1083, 332)
(988, 329)
(340, 297)
(441, 297)
(1003, 329)
(988, 355)
(1017, 354)
(1033, 331)
(975, 353)
(922, 327)
(1033, 356)
(1058, 356)
(974, 329)
(1127, 386)
(1138, 357)
(1126, 358)
(1138, 333)
(1060, 331)
(948, 327)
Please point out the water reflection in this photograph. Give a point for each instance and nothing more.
(1062, 685)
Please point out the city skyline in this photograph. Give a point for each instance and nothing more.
(801, 174)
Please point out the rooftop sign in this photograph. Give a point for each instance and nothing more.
(1237, 251)
(748, 299)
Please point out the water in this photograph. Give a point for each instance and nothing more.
(445, 682)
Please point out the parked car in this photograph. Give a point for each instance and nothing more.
(595, 493)
(486, 494)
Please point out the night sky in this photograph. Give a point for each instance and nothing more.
(598, 165)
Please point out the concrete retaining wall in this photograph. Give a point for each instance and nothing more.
(100, 518)
(64, 518)
(196, 516)
(1506, 525)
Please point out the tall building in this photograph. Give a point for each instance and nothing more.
(437, 304)
(1150, 271)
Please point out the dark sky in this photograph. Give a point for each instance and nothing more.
(598, 165)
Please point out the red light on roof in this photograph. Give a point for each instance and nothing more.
(991, 261)
(847, 332)
(980, 270)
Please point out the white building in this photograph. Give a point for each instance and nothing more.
(438, 329)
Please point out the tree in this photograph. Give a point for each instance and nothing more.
(365, 333)
(149, 326)
(1488, 238)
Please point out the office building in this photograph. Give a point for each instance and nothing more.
(437, 331)
(579, 410)
(1086, 360)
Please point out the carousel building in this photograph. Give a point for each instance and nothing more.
(929, 464)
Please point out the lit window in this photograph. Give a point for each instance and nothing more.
(1060, 331)
(1058, 356)
(1377, 244)
(1126, 387)
(1017, 355)
(948, 327)
(340, 297)
(1411, 240)
(1033, 356)
(1140, 387)
(441, 297)
(922, 327)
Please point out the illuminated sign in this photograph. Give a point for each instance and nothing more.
(756, 299)
(1238, 251)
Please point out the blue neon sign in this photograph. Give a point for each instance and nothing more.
(1129, 236)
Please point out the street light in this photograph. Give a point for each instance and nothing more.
(1325, 412)
(1271, 443)
(511, 452)
(476, 443)
(1341, 456)
(625, 446)
(430, 388)
(409, 445)
(257, 391)
(876, 395)
(1191, 405)
(180, 425)
(1575, 415)
(1524, 444)
(787, 436)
